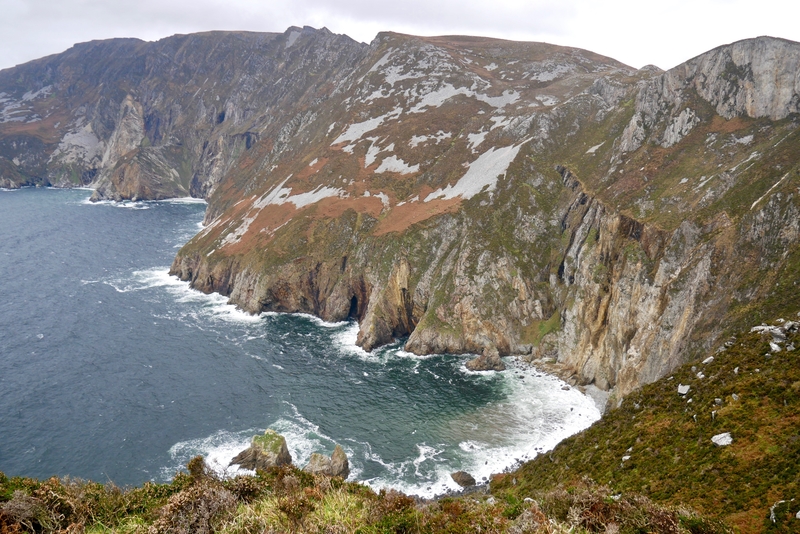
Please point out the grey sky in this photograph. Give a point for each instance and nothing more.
(635, 32)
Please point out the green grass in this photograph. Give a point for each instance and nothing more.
(667, 440)
(289, 500)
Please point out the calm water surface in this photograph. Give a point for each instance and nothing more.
(112, 370)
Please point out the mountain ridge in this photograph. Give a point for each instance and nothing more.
(476, 195)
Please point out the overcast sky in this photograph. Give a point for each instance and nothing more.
(636, 32)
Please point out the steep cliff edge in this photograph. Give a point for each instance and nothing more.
(614, 240)
(475, 195)
(139, 120)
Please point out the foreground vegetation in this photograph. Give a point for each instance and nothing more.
(289, 500)
(658, 443)
(643, 468)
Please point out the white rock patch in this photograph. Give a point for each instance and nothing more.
(292, 38)
(357, 130)
(722, 440)
(482, 174)
(476, 139)
(395, 164)
(594, 148)
(508, 97)
(419, 139)
(79, 144)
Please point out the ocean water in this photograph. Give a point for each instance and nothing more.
(112, 370)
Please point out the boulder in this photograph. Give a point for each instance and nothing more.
(265, 451)
(318, 464)
(335, 465)
(683, 389)
(488, 361)
(463, 479)
(721, 440)
(340, 467)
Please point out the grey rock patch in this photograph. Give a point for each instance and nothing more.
(488, 361)
(335, 465)
(463, 479)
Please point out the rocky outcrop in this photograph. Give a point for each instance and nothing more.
(265, 452)
(476, 196)
(335, 465)
(463, 479)
(751, 78)
(488, 361)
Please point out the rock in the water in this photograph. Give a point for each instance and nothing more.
(721, 440)
(336, 465)
(265, 451)
(463, 479)
(488, 361)
(318, 464)
(340, 467)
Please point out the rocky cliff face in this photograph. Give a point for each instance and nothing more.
(475, 195)
(141, 120)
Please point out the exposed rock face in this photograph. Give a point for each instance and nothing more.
(265, 451)
(164, 119)
(463, 479)
(488, 361)
(478, 196)
(340, 466)
(335, 465)
(318, 464)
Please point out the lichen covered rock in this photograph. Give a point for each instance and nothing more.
(265, 451)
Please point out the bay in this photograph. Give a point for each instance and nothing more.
(112, 370)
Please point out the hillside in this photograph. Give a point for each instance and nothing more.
(476, 195)
(659, 442)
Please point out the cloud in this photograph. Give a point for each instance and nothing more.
(633, 32)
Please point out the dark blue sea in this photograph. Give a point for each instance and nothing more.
(111, 370)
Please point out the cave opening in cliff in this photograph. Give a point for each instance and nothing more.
(353, 313)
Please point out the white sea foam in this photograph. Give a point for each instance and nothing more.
(218, 450)
(213, 305)
(346, 342)
(126, 204)
(183, 200)
(535, 416)
(316, 320)
(536, 413)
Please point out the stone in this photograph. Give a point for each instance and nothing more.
(335, 465)
(318, 464)
(683, 389)
(722, 440)
(265, 451)
(488, 361)
(463, 479)
(340, 467)
(708, 360)
(735, 397)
